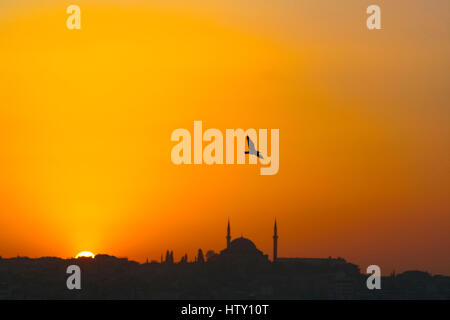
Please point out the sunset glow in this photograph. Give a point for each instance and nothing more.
(86, 118)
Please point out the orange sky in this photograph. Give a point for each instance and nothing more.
(86, 118)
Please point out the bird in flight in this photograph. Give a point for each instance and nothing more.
(251, 148)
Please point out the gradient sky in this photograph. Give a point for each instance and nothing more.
(86, 118)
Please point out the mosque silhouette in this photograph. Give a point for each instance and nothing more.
(243, 249)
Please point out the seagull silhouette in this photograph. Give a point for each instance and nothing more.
(251, 148)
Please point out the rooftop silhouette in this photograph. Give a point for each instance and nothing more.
(239, 271)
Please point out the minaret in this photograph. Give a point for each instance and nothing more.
(275, 241)
(228, 234)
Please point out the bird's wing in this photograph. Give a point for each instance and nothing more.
(251, 145)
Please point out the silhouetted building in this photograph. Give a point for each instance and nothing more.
(228, 234)
(240, 271)
(169, 257)
(200, 257)
(275, 241)
(243, 249)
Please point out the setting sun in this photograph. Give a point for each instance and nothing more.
(85, 254)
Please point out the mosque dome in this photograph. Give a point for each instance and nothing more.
(240, 249)
(242, 246)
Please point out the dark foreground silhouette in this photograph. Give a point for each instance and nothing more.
(222, 276)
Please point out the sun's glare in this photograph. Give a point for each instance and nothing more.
(86, 254)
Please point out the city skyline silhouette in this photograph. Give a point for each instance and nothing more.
(247, 243)
(239, 271)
